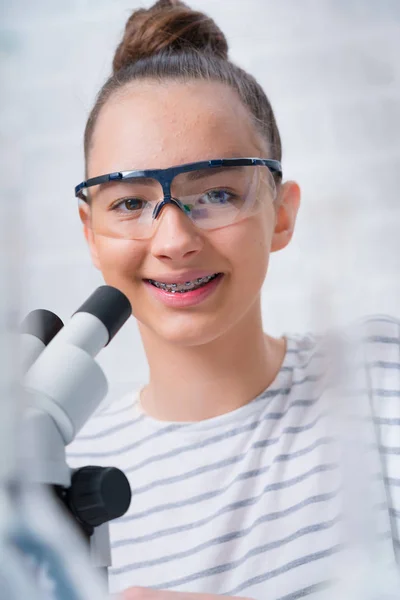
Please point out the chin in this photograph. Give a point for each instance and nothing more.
(185, 330)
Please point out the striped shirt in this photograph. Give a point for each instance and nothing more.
(265, 501)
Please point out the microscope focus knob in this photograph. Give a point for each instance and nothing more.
(99, 494)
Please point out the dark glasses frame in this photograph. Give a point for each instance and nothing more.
(165, 176)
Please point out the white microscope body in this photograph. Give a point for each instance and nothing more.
(63, 387)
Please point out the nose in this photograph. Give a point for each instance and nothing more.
(175, 237)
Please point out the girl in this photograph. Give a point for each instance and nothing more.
(229, 447)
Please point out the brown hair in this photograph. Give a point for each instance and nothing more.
(172, 41)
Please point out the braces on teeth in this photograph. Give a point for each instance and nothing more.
(183, 287)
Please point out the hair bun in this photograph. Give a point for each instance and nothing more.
(169, 25)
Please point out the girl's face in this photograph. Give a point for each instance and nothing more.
(153, 125)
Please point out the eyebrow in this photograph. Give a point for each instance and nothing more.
(190, 175)
(148, 181)
(194, 175)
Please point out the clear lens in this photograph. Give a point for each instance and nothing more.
(211, 198)
(218, 197)
(123, 209)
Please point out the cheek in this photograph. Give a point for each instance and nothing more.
(247, 244)
(119, 260)
(253, 259)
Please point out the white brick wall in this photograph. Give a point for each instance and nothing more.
(332, 71)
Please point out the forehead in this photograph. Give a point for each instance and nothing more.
(158, 125)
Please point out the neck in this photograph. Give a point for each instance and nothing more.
(200, 382)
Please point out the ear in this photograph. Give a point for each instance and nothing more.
(287, 206)
(84, 213)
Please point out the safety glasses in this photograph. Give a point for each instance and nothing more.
(212, 194)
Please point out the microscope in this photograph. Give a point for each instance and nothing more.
(62, 387)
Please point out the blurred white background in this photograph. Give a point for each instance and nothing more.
(332, 72)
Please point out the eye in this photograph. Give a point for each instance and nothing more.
(129, 205)
(216, 197)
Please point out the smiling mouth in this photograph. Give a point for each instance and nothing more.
(181, 288)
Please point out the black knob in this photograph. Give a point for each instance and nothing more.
(98, 494)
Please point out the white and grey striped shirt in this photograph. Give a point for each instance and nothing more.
(251, 503)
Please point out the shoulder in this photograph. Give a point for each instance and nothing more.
(381, 343)
(378, 337)
(381, 353)
(381, 331)
(370, 345)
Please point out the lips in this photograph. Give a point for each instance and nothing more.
(185, 299)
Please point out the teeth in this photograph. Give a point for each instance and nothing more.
(183, 287)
